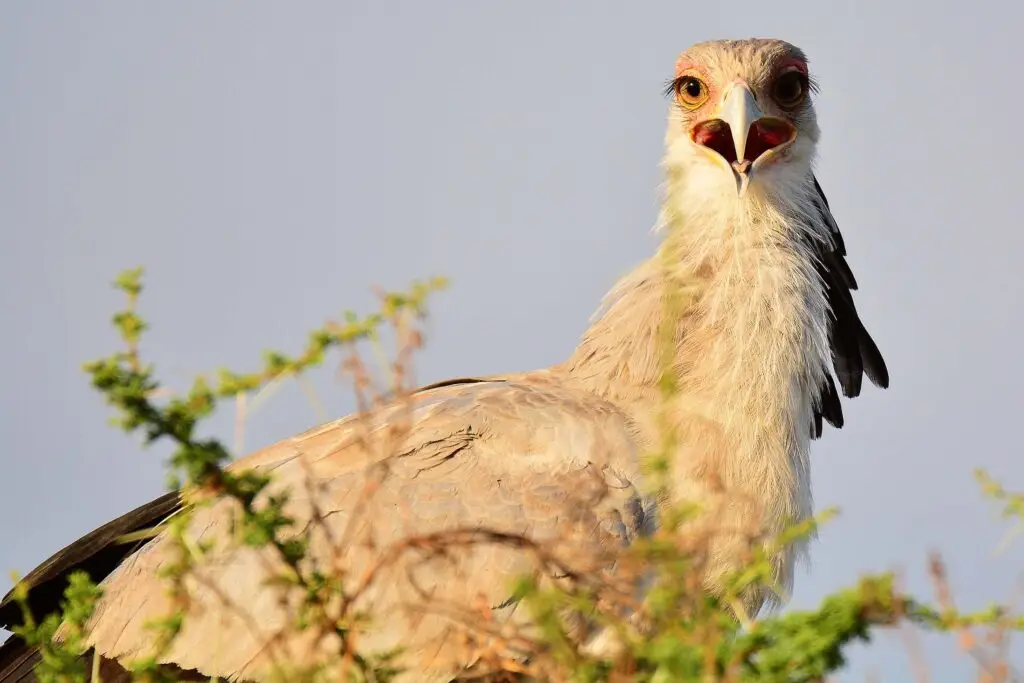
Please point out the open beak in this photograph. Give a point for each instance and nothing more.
(742, 136)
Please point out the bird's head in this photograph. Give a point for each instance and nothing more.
(741, 117)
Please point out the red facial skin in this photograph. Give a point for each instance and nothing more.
(764, 135)
(684, 65)
(794, 63)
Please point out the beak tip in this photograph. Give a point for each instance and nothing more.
(742, 182)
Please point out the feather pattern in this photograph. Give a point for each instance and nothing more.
(517, 457)
(753, 295)
(854, 352)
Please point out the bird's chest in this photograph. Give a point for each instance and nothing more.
(751, 363)
(756, 329)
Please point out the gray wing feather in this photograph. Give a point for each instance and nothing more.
(512, 457)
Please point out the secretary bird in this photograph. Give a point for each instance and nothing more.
(768, 317)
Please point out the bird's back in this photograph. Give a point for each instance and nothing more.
(527, 457)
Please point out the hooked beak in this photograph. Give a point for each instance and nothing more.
(742, 136)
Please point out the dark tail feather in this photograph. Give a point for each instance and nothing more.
(97, 554)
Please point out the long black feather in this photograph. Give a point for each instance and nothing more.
(854, 352)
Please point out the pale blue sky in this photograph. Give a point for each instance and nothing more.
(269, 161)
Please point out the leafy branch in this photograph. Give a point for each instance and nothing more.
(676, 633)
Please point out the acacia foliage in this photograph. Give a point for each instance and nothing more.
(685, 635)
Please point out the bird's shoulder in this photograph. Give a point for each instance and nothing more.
(528, 421)
(528, 454)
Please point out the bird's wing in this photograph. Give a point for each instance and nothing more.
(854, 353)
(96, 554)
(516, 457)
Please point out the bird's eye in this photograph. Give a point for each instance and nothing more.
(790, 88)
(691, 92)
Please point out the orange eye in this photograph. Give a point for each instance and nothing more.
(691, 92)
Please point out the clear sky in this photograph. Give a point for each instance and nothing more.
(269, 161)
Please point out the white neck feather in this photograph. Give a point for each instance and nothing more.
(748, 346)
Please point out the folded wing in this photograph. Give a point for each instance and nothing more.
(514, 457)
